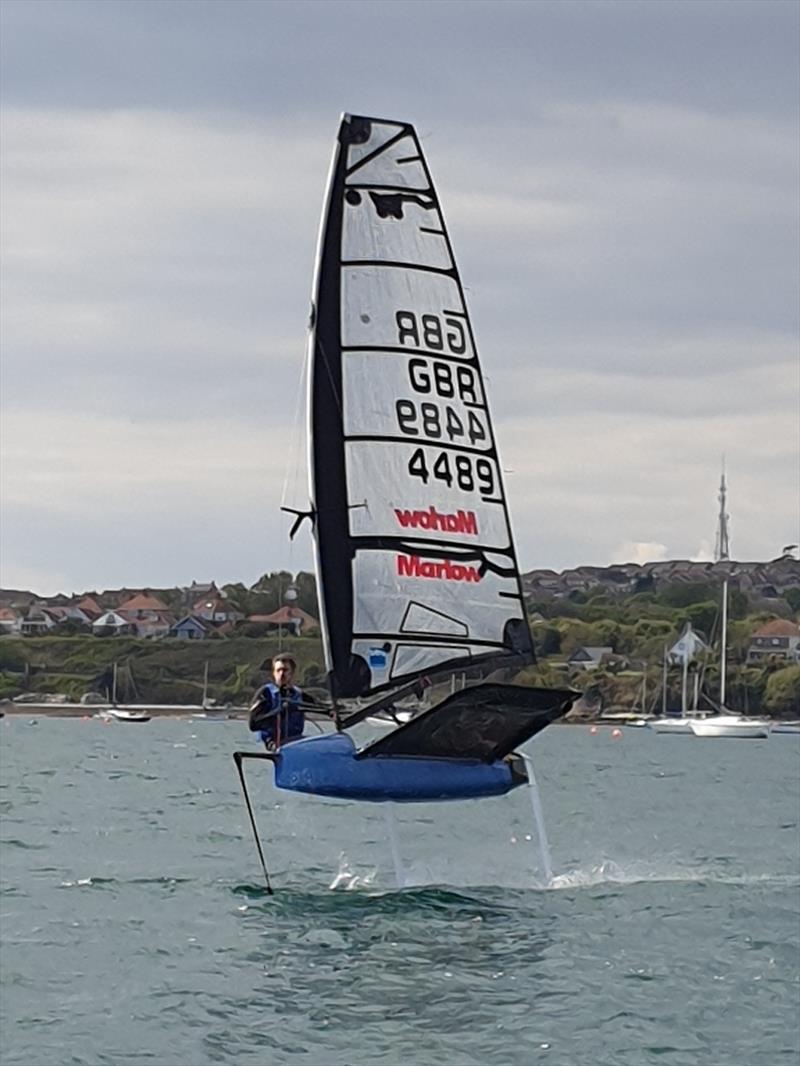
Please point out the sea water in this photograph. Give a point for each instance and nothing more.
(136, 927)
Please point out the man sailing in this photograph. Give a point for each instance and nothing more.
(276, 712)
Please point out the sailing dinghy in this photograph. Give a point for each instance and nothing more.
(416, 567)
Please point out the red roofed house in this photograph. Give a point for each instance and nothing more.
(10, 621)
(778, 639)
(90, 607)
(70, 613)
(37, 621)
(216, 609)
(150, 616)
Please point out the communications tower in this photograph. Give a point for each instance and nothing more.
(722, 549)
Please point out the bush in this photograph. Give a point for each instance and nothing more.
(11, 655)
(703, 617)
(549, 642)
(10, 685)
(686, 593)
(782, 695)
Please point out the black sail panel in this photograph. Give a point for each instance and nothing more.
(416, 562)
(485, 722)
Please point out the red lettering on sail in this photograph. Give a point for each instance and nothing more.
(460, 522)
(413, 566)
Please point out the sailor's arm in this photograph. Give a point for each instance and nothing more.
(262, 708)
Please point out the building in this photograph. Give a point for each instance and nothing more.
(589, 658)
(10, 621)
(778, 639)
(113, 624)
(216, 609)
(149, 615)
(688, 646)
(293, 619)
(192, 628)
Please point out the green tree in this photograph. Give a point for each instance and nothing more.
(543, 675)
(306, 585)
(703, 617)
(238, 596)
(782, 695)
(686, 593)
(738, 604)
(548, 640)
(12, 656)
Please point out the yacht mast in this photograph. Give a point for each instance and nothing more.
(722, 554)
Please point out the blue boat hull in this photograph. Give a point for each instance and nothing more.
(329, 765)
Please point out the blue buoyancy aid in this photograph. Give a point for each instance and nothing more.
(277, 718)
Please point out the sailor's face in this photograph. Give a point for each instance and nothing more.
(283, 673)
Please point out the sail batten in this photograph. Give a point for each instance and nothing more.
(416, 562)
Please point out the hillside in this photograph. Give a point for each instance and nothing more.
(629, 612)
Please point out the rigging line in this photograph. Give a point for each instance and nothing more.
(295, 439)
(336, 396)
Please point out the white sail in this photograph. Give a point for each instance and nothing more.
(417, 568)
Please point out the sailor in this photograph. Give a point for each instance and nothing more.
(276, 712)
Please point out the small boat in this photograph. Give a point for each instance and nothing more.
(725, 723)
(120, 713)
(123, 714)
(677, 725)
(417, 571)
(785, 727)
(208, 712)
(731, 725)
(212, 714)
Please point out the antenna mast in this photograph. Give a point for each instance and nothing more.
(722, 551)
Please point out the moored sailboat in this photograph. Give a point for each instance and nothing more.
(725, 723)
(678, 724)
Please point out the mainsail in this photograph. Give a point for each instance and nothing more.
(416, 564)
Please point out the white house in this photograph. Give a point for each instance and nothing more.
(112, 624)
(687, 647)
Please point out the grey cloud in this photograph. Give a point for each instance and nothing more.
(491, 59)
(620, 183)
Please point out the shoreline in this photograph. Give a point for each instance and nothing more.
(91, 710)
(175, 710)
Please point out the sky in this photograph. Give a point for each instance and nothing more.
(620, 183)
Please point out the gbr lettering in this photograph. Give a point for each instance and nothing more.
(439, 334)
(450, 382)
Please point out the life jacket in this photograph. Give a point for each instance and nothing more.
(275, 719)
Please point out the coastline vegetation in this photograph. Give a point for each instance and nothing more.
(227, 667)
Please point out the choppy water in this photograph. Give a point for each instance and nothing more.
(136, 929)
